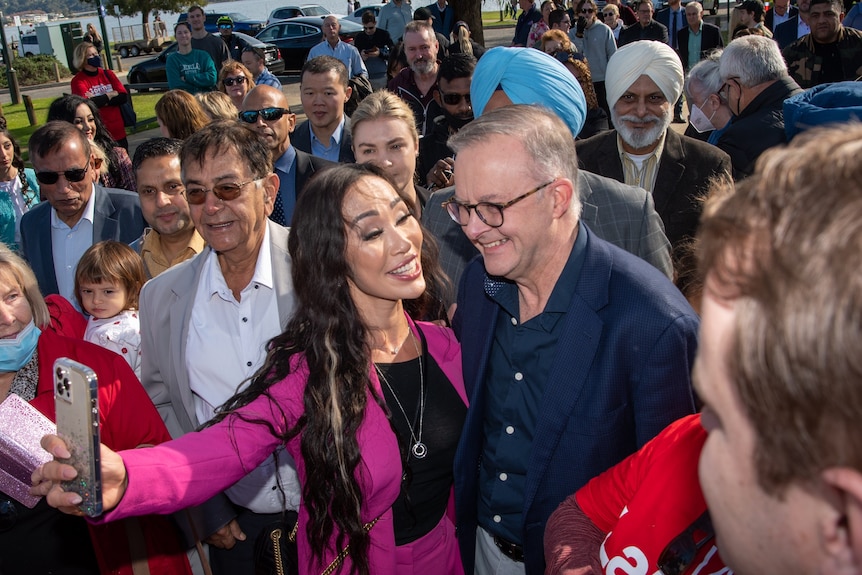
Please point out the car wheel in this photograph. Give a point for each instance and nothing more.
(135, 52)
(124, 52)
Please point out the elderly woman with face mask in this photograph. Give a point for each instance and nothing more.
(40, 539)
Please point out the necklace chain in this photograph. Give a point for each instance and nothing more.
(418, 449)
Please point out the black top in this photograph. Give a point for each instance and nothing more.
(43, 540)
(379, 39)
(426, 483)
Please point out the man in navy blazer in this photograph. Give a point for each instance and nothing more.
(78, 213)
(575, 352)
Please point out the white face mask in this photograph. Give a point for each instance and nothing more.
(699, 121)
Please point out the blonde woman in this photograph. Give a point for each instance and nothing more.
(180, 115)
(217, 105)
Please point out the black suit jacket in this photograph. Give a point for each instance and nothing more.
(769, 17)
(653, 31)
(787, 32)
(684, 172)
(663, 18)
(710, 39)
(301, 140)
(117, 216)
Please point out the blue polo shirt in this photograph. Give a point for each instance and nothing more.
(518, 368)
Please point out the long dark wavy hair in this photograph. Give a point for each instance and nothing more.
(328, 332)
(65, 108)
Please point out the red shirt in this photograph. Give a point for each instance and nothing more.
(647, 500)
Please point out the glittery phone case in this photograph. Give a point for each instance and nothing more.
(21, 429)
(77, 403)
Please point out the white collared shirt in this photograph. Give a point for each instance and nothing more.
(226, 346)
(68, 245)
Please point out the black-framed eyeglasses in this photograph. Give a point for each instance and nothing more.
(681, 552)
(268, 114)
(453, 99)
(73, 175)
(225, 192)
(587, 10)
(8, 515)
(490, 213)
(234, 80)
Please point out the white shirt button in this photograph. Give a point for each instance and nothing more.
(519, 376)
(510, 430)
(503, 477)
(497, 519)
(514, 321)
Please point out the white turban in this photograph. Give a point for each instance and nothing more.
(645, 57)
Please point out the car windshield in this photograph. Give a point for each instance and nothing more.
(237, 16)
(315, 11)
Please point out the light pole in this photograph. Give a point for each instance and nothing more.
(106, 42)
(11, 75)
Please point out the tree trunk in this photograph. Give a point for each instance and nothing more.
(470, 11)
(145, 22)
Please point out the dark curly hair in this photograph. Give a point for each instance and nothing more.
(328, 332)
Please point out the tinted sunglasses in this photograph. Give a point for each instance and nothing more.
(587, 10)
(682, 551)
(74, 175)
(236, 80)
(225, 26)
(454, 99)
(268, 115)
(225, 192)
(606, 14)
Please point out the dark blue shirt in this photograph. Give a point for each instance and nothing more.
(525, 22)
(518, 368)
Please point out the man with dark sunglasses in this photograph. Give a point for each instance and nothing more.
(235, 44)
(435, 162)
(265, 110)
(78, 213)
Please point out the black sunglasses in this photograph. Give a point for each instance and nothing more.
(268, 114)
(681, 552)
(235, 80)
(73, 175)
(454, 99)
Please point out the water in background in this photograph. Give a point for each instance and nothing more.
(254, 9)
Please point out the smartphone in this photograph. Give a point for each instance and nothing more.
(77, 403)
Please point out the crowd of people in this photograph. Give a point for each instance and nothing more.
(484, 311)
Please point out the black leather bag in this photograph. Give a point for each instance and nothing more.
(275, 548)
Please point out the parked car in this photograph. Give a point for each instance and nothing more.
(153, 70)
(357, 14)
(241, 22)
(296, 37)
(286, 12)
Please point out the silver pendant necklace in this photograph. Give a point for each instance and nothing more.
(419, 449)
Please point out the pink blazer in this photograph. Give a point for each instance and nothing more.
(189, 470)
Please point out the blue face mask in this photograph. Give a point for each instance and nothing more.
(95, 61)
(15, 353)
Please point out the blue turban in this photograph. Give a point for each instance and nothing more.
(529, 76)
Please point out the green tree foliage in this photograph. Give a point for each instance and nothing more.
(146, 8)
(34, 70)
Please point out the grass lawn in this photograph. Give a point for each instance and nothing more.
(19, 124)
(492, 20)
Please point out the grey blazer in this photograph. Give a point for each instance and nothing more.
(165, 311)
(622, 215)
(301, 140)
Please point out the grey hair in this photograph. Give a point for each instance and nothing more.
(545, 137)
(753, 60)
(705, 75)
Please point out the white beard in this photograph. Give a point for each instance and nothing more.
(639, 139)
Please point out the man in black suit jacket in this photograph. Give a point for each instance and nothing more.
(643, 150)
(710, 36)
(782, 6)
(78, 213)
(292, 166)
(645, 29)
(324, 89)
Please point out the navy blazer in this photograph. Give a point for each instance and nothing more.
(769, 17)
(301, 140)
(787, 32)
(117, 216)
(621, 375)
(710, 39)
(653, 31)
